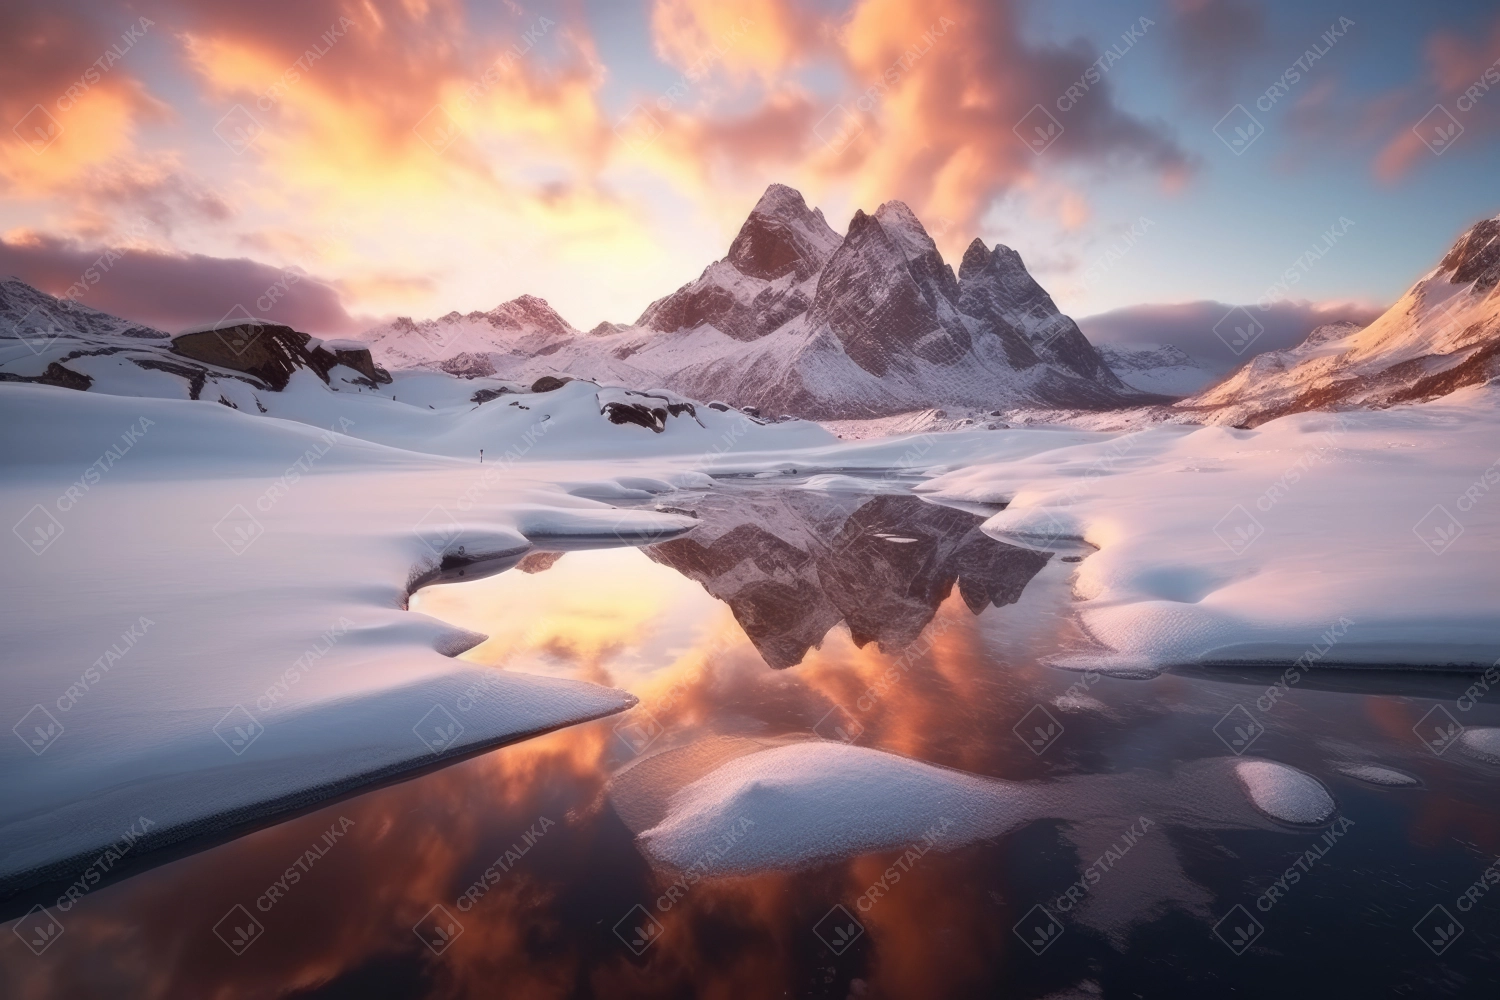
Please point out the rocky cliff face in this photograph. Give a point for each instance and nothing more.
(996, 285)
(272, 353)
(763, 282)
(869, 299)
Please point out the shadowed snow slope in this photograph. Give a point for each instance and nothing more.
(1164, 370)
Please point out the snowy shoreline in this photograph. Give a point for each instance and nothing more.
(242, 537)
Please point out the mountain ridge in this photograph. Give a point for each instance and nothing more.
(1442, 334)
(797, 319)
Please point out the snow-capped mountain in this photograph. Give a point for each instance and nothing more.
(1442, 335)
(34, 316)
(768, 277)
(799, 320)
(470, 344)
(1165, 370)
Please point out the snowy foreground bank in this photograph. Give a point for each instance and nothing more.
(209, 624)
(1360, 538)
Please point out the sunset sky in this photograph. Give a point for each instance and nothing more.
(410, 157)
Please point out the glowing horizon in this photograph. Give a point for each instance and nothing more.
(418, 157)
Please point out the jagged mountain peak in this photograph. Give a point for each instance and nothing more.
(797, 319)
(780, 236)
(525, 312)
(782, 201)
(1475, 256)
(905, 229)
(976, 256)
(1001, 263)
(786, 203)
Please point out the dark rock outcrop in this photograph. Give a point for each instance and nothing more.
(271, 353)
(549, 383)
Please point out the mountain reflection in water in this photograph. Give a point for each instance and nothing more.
(937, 657)
(792, 564)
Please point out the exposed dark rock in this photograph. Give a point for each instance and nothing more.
(54, 374)
(359, 359)
(538, 562)
(868, 299)
(1476, 256)
(468, 366)
(549, 383)
(269, 351)
(640, 414)
(196, 375)
(65, 378)
(485, 395)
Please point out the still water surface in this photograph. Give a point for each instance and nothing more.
(894, 623)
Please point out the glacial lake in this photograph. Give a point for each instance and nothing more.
(894, 624)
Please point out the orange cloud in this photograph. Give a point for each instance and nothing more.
(1462, 74)
(927, 113)
(68, 93)
(429, 141)
(748, 37)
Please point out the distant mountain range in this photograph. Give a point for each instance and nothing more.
(799, 320)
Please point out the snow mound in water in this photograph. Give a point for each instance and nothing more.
(1376, 775)
(1481, 742)
(813, 802)
(1283, 792)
